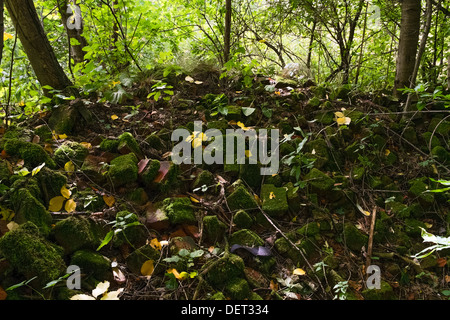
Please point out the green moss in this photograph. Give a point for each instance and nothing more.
(418, 189)
(32, 154)
(242, 219)
(241, 199)
(137, 258)
(384, 293)
(154, 141)
(123, 170)
(325, 118)
(109, 145)
(127, 143)
(427, 136)
(63, 119)
(307, 246)
(31, 255)
(5, 172)
(354, 239)
(204, 178)
(221, 125)
(44, 132)
(439, 126)
(251, 174)
(137, 196)
(51, 182)
(246, 237)
(218, 296)
(274, 200)
(92, 263)
(71, 151)
(179, 210)
(412, 227)
(214, 229)
(234, 113)
(28, 208)
(441, 154)
(314, 102)
(309, 229)
(319, 180)
(75, 233)
(150, 173)
(229, 267)
(399, 209)
(238, 289)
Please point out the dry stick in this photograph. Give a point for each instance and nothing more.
(370, 244)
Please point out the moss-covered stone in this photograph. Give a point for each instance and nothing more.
(412, 227)
(307, 247)
(28, 208)
(154, 141)
(441, 154)
(150, 173)
(137, 196)
(51, 182)
(246, 237)
(63, 119)
(137, 258)
(31, 255)
(123, 169)
(179, 210)
(242, 219)
(274, 200)
(386, 292)
(251, 174)
(241, 199)
(127, 144)
(75, 233)
(309, 229)
(229, 267)
(314, 102)
(439, 126)
(5, 172)
(427, 136)
(218, 296)
(109, 145)
(418, 189)
(238, 289)
(135, 235)
(70, 151)
(214, 229)
(205, 178)
(399, 209)
(92, 264)
(32, 154)
(354, 239)
(234, 113)
(319, 180)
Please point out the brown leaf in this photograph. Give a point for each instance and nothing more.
(163, 169)
(3, 294)
(109, 200)
(191, 230)
(441, 262)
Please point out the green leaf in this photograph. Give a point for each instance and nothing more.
(106, 240)
(247, 111)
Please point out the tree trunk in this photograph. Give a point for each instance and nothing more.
(36, 45)
(407, 47)
(227, 32)
(76, 51)
(2, 28)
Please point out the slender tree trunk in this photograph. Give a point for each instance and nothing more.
(2, 28)
(76, 51)
(36, 45)
(407, 47)
(227, 31)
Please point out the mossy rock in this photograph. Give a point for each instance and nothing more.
(241, 199)
(427, 136)
(418, 189)
(229, 267)
(234, 113)
(128, 144)
(246, 237)
(44, 132)
(28, 208)
(109, 145)
(307, 246)
(92, 264)
(135, 235)
(274, 200)
(150, 173)
(238, 289)
(179, 210)
(63, 119)
(412, 227)
(32, 154)
(137, 258)
(242, 219)
(123, 170)
(314, 102)
(325, 117)
(251, 174)
(293, 197)
(441, 154)
(439, 126)
(399, 209)
(319, 180)
(70, 151)
(354, 239)
(137, 196)
(75, 233)
(51, 182)
(221, 125)
(309, 229)
(218, 296)
(32, 255)
(214, 229)
(5, 172)
(154, 141)
(386, 292)
(205, 178)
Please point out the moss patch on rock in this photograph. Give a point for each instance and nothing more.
(274, 200)
(179, 210)
(123, 169)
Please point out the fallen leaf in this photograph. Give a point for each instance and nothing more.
(112, 295)
(82, 297)
(248, 153)
(62, 136)
(109, 200)
(56, 203)
(194, 200)
(189, 79)
(142, 164)
(271, 195)
(66, 193)
(101, 288)
(147, 268)
(70, 206)
(299, 272)
(114, 117)
(3, 294)
(242, 126)
(12, 225)
(155, 244)
(7, 36)
(273, 285)
(441, 262)
(87, 145)
(48, 147)
(163, 169)
(69, 167)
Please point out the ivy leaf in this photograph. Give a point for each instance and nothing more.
(70, 206)
(147, 268)
(66, 193)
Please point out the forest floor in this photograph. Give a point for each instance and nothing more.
(352, 191)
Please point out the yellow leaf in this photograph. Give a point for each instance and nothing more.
(112, 295)
(155, 244)
(12, 225)
(183, 275)
(6, 214)
(194, 200)
(174, 272)
(271, 195)
(87, 145)
(109, 200)
(37, 169)
(147, 268)
(101, 288)
(242, 126)
(232, 122)
(7, 36)
(56, 203)
(70, 206)
(299, 272)
(339, 114)
(66, 193)
(387, 152)
(248, 153)
(340, 121)
(262, 41)
(62, 136)
(114, 117)
(48, 148)
(69, 167)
